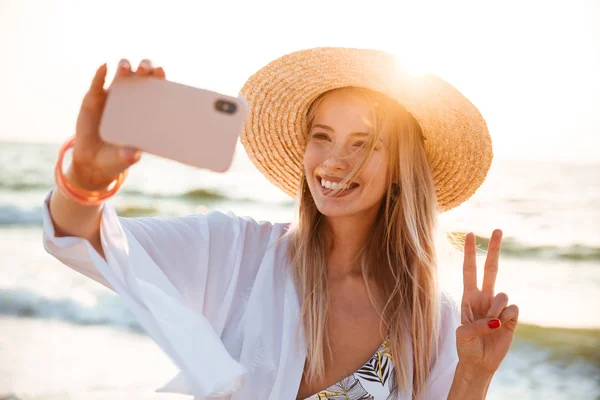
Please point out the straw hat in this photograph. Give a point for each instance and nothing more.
(457, 141)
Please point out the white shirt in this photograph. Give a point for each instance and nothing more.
(215, 293)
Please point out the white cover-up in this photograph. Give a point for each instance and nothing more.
(214, 292)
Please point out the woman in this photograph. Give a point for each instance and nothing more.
(345, 303)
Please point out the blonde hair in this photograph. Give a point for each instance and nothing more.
(400, 254)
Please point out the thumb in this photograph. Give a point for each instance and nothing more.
(481, 327)
(129, 155)
(113, 160)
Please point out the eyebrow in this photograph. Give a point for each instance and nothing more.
(330, 129)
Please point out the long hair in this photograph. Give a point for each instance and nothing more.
(400, 254)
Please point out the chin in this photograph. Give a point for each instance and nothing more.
(335, 212)
(337, 207)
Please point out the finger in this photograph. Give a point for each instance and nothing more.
(129, 155)
(498, 305)
(481, 327)
(97, 85)
(123, 68)
(113, 159)
(469, 264)
(94, 98)
(159, 72)
(144, 68)
(466, 314)
(491, 262)
(510, 317)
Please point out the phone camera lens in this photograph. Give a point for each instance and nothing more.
(225, 106)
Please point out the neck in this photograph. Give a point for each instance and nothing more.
(349, 235)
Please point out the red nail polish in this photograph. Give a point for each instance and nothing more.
(494, 324)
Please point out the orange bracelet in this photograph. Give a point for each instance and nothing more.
(77, 194)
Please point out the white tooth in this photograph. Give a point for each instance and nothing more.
(335, 185)
(322, 182)
(328, 184)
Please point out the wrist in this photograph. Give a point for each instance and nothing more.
(470, 383)
(72, 187)
(72, 175)
(473, 373)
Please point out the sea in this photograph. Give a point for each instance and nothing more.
(63, 336)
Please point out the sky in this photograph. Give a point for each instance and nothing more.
(531, 67)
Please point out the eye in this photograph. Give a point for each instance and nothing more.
(320, 136)
(360, 144)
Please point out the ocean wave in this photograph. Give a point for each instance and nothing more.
(26, 186)
(195, 194)
(137, 211)
(13, 215)
(514, 248)
(563, 345)
(574, 252)
(108, 309)
(202, 194)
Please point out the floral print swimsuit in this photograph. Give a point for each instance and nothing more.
(373, 381)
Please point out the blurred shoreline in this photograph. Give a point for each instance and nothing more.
(64, 336)
(56, 360)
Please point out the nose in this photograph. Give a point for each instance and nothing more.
(335, 161)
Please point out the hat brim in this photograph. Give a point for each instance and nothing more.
(457, 141)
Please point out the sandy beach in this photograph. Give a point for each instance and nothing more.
(52, 360)
(45, 359)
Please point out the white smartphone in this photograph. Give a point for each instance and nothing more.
(197, 127)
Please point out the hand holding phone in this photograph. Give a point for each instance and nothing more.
(96, 163)
(99, 159)
(193, 126)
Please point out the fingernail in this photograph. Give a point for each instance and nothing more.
(494, 323)
(124, 64)
(128, 152)
(146, 65)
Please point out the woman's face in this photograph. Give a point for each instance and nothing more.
(334, 147)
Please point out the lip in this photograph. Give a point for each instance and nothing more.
(329, 178)
(329, 192)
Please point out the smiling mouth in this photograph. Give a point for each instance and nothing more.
(330, 188)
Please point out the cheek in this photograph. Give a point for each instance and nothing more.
(312, 157)
(375, 171)
(309, 164)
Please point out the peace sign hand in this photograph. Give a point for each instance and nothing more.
(488, 325)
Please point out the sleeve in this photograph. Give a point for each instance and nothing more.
(442, 373)
(182, 277)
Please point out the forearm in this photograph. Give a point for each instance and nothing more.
(73, 219)
(469, 384)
